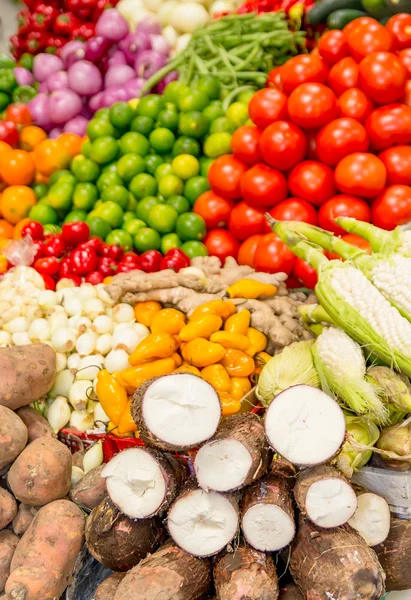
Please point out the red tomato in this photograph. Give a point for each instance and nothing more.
(245, 144)
(214, 209)
(273, 256)
(339, 138)
(312, 105)
(18, 114)
(283, 145)
(397, 161)
(301, 69)
(389, 125)
(311, 136)
(247, 251)
(294, 209)
(274, 78)
(266, 106)
(407, 99)
(363, 21)
(405, 58)
(246, 221)
(382, 76)
(354, 240)
(392, 207)
(342, 206)
(400, 28)
(49, 282)
(333, 46)
(9, 133)
(224, 176)
(343, 75)
(361, 174)
(366, 38)
(312, 181)
(221, 243)
(305, 273)
(263, 187)
(353, 103)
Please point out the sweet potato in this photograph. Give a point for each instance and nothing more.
(23, 518)
(13, 436)
(37, 425)
(26, 374)
(8, 508)
(45, 557)
(77, 458)
(90, 490)
(8, 544)
(107, 588)
(42, 472)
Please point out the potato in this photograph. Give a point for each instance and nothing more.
(8, 544)
(13, 436)
(23, 518)
(45, 557)
(8, 508)
(27, 373)
(42, 472)
(37, 425)
(77, 458)
(90, 490)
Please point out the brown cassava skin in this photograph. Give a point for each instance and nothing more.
(8, 545)
(291, 592)
(37, 425)
(246, 573)
(8, 508)
(118, 542)
(23, 518)
(27, 373)
(45, 557)
(169, 574)
(334, 563)
(77, 458)
(394, 555)
(42, 472)
(108, 587)
(13, 436)
(90, 490)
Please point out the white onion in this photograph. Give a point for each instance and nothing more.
(116, 360)
(58, 320)
(127, 339)
(78, 394)
(73, 362)
(123, 313)
(21, 338)
(61, 361)
(39, 330)
(81, 420)
(47, 298)
(86, 343)
(104, 295)
(102, 324)
(73, 306)
(104, 344)
(86, 291)
(100, 415)
(5, 338)
(93, 307)
(17, 325)
(65, 284)
(58, 413)
(79, 323)
(62, 384)
(89, 367)
(93, 458)
(77, 475)
(64, 339)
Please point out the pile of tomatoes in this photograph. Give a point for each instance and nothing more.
(331, 137)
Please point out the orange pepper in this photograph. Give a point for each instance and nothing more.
(237, 363)
(146, 311)
(221, 308)
(107, 280)
(168, 320)
(218, 377)
(177, 359)
(111, 394)
(239, 387)
(230, 405)
(3, 264)
(113, 429)
(202, 327)
(185, 368)
(126, 423)
(154, 346)
(238, 323)
(202, 353)
(135, 376)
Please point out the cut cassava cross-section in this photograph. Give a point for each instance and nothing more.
(394, 555)
(176, 411)
(304, 425)
(236, 455)
(267, 514)
(325, 496)
(245, 574)
(142, 481)
(372, 518)
(202, 523)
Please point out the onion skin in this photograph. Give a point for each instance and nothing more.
(84, 78)
(64, 105)
(23, 76)
(46, 64)
(112, 26)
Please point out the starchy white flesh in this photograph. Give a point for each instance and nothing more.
(202, 523)
(372, 518)
(135, 482)
(267, 527)
(304, 425)
(222, 465)
(183, 410)
(330, 502)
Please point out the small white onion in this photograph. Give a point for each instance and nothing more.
(99, 414)
(64, 284)
(47, 299)
(39, 330)
(76, 475)
(61, 361)
(32, 312)
(104, 344)
(79, 394)
(62, 384)
(104, 295)
(73, 306)
(102, 324)
(123, 313)
(127, 339)
(89, 367)
(86, 343)
(5, 338)
(93, 458)
(86, 291)
(116, 360)
(93, 307)
(79, 323)
(81, 420)
(58, 413)
(58, 320)
(63, 339)
(73, 362)
(17, 325)
(21, 338)
(12, 313)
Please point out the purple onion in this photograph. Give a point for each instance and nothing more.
(95, 102)
(84, 78)
(70, 47)
(112, 25)
(43, 88)
(96, 48)
(113, 95)
(133, 88)
(57, 81)
(149, 25)
(78, 125)
(64, 105)
(159, 44)
(39, 108)
(149, 62)
(55, 133)
(46, 64)
(161, 86)
(73, 58)
(117, 76)
(132, 44)
(23, 76)
(117, 59)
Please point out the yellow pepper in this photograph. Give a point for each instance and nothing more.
(202, 327)
(231, 340)
(239, 387)
(230, 405)
(168, 320)
(239, 323)
(135, 376)
(188, 369)
(250, 289)
(126, 423)
(107, 280)
(154, 346)
(260, 360)
(146, 311)
(113, 429)
(237, 363)
(3, 263)
(178, 361)
(111, 394)
(258, 341)
(202, 353)
(217, 376)
(221, 308)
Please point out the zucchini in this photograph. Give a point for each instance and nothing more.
(320, 11)
(338, 19)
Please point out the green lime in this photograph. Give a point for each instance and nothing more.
(51, 228)
(179, 203)
(112, 213)
(76, 215)
(376, 8)
(185, 166)
(133, 225)
(86, 148)
(142, 124)
(194, 248)
(193, 100)
(151, 106)
(130, 165)
(152, 162)
(107, 180)
(134, 142)
(60, 196)
(132, 203)
(144, 207)
(222, 124)
(110, 168)
(169, 242)
(205, 164)
(117, 194)
(163, 170)
(121, 238)
(190, 226)
(97, 204)
(168, 118)
(128, 216)
(147, 239)
(85, 196)
(194, 187)
(103, 113)
(162, 218)
(143, 185)
(174, 90)
(40, 190)
(237, 113)
(193, 123)
(104, 150)
(5, 100)
(84, 169)
(99, 227)
(217, 144)
(121, 115)
(209, 85)
(170, 185)
(60, 174)
(245, 96)
(99, 128)
(214, 111)
(168, 158)
(162, 140)
(43, 213)
(186, 145)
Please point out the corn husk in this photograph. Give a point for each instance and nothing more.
(364, 432)
(394, 388)
(396, 439)
(294, 366)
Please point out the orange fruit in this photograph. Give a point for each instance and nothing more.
(15, 202)
(18, 228)
(17, 168)
(6, 229)
(71, 142)
(31, 136)
(4, 150)
(51, 156)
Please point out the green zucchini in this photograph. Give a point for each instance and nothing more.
(338, 19)
(320, 11)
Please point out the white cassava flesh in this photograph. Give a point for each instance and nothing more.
(304, 425)
(330, 502)
(372, 518)
(202, 523)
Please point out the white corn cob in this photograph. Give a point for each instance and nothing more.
(392, 276)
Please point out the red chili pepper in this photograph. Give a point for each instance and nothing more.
(84, 32)
(83, 261)
(34, 229)
(75, 278)
(127, 267)
(18, 46)
(54, 43)
(101, 6)
(39, 250)
(94, 243)
(18, 114)
(131, 258)
(23, 22)
(106, 266)
(47, 266)
(150, 261)
(115, 252)
(9, 133)
(175, 259)
(49, 282)
(65, 24)
(75, 233)
(95, 278)
(36, 41)
(65, 267)
(176, 252)
(43, 18)
(54, 245)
